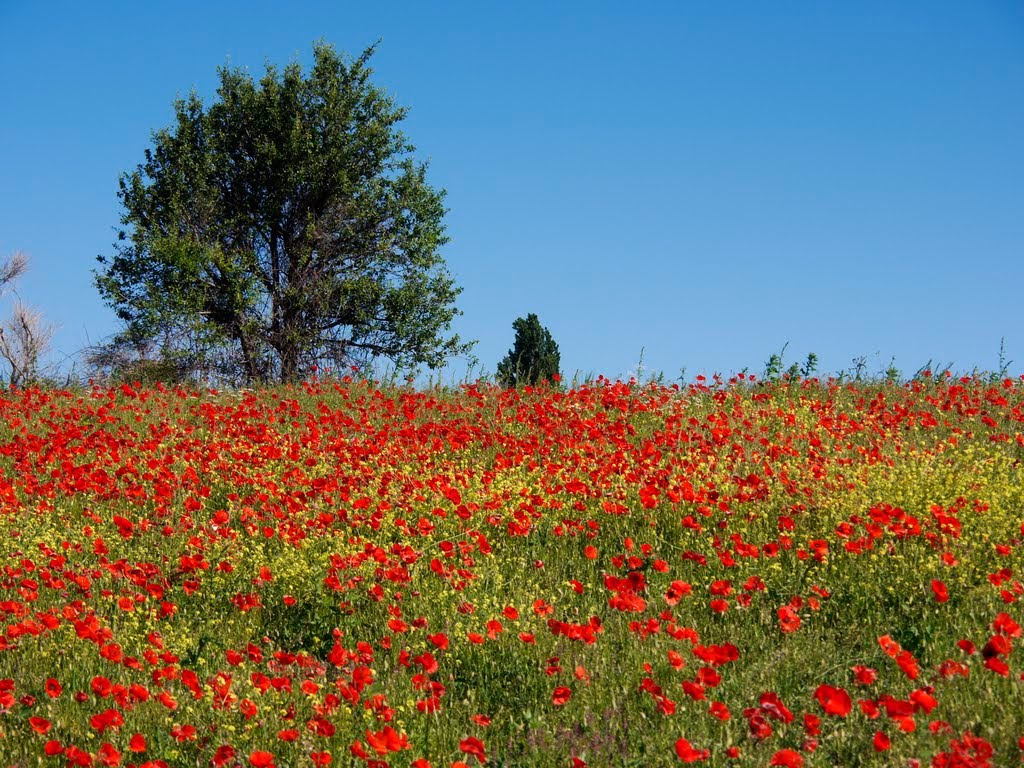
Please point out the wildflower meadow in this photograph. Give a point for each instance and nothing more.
(732, 573)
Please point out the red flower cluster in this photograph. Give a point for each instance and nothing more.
(347, 573)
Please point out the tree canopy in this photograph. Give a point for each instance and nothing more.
(285, 225)
(534, 356)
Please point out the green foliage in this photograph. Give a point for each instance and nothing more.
(860, 366)
(283, 226)
(533, 358)
(1002, 369)
(810, 366)
(773, 366)
(146, 365)
(892, 373)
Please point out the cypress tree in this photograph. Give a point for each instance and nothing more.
(533, 358)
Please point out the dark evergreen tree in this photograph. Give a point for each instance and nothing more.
(283, 226)
(533, 358)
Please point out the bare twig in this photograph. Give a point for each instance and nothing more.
(24, 339)
(10, 270)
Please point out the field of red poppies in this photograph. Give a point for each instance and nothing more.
(798, 573)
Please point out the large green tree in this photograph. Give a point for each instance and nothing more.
(283, 226)
(534, 356)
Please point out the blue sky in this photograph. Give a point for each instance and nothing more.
(703, 181)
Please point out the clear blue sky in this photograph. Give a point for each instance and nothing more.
(705, 181)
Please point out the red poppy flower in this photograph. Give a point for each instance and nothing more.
(835, 701)
(787, 758)
(812, 725)
(387, 740)
(967, 647)
(906, 661)
(688, 754)
(560, 696)
(109, 718)
(789, 620)
(261, 759)
(772, 706)
(865, 675)
(997, 645)
(108, 755)
(890, 646)
(474, 747)
(759, 727)
(183, 732)
(676, 591)
(53, 748)
(923, 700)
(720, 710)
(101, 686)
(998, 666)
(1004, 623)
